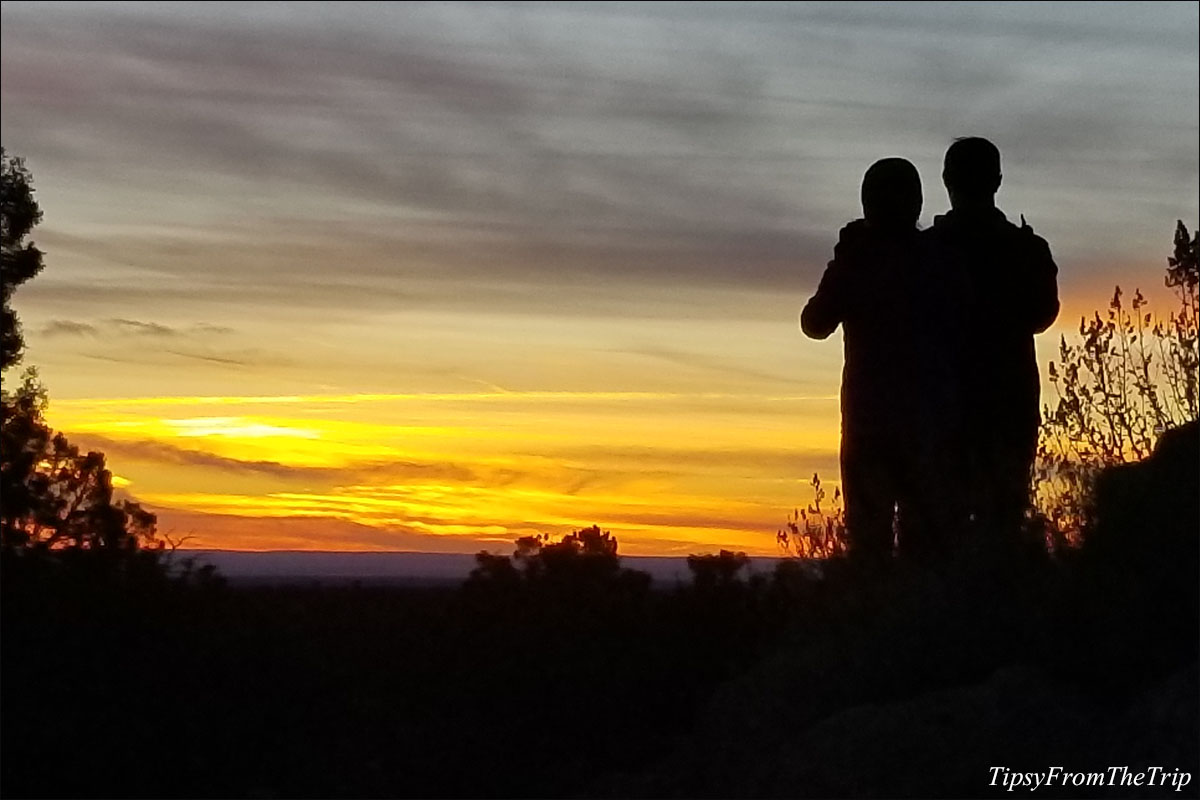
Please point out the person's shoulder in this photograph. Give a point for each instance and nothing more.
(855, 230)
(853, 239)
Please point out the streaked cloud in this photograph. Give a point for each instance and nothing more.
(111, 328)
(139, 328)
(165, 453)
(65, 327)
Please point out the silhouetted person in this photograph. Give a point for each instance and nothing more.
(996, 284)
(869, 289)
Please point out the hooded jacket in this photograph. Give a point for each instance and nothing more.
(869, 289)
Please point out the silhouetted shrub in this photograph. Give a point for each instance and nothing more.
(582, 568)
(815, 531)
(1130, 377)
(711, 573)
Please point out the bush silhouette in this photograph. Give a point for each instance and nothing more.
(581, 570)
(815, 531)
(714, 573)
(1129, 377)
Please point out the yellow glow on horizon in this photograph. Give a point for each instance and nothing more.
(236, 428)
(704, 470)
(666, 471)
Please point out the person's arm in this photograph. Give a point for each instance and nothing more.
(1041, 280)
(827, 308)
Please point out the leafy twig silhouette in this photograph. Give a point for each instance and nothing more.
(815, 531)
(1129, 377)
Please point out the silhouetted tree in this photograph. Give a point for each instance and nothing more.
(717, 572)
(55, 498)
(583, 562)
(19, 260)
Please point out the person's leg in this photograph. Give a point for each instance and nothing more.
(869, 494)
(1015, 492)
(919, 536)
(932, 488)
(1002, 476)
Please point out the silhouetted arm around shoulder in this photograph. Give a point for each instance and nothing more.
(827, 308)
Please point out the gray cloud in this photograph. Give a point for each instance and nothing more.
(188, 342)
(246, 358)
(117, 326)
(306, 157)
(212, 359)
(139, 328)
(208, 329)
(66, 327)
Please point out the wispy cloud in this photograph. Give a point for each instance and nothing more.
(66, 327)
(139, 328)
(167, 453)
(709, 363)
(212, 359)
(129, 327)
(236, 531)
(241, 359)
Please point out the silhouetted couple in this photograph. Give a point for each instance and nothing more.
(940, 385)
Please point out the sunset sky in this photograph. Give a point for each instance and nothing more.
(429, 277)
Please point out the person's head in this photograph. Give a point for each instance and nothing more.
(891, 193)
(971, 173)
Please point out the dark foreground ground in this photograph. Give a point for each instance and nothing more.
(907, 684)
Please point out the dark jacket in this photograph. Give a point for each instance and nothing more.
(996, 284)
(868, 289)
